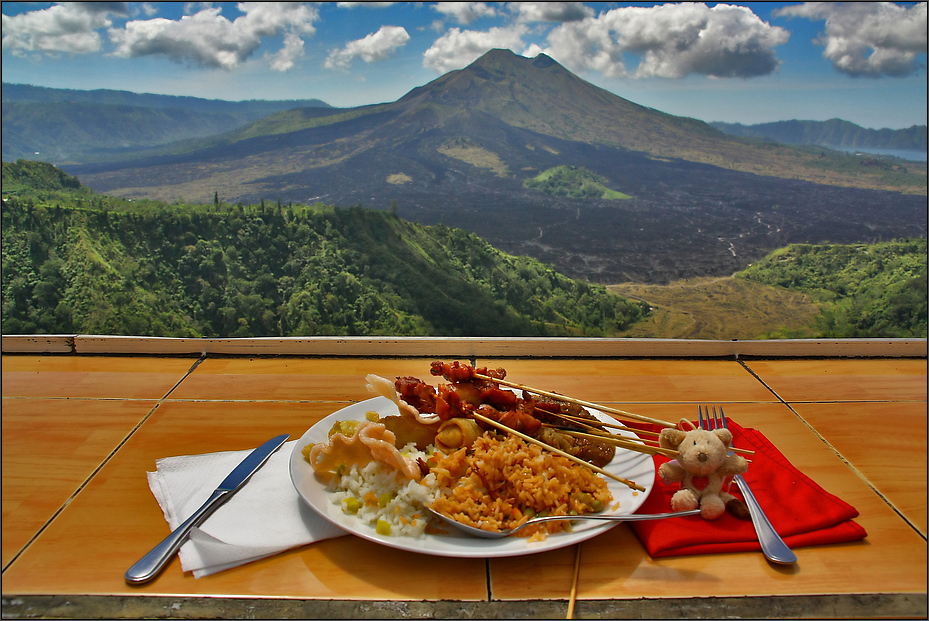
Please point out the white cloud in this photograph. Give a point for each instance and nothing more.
(207, 38)
(148, 8)
(459, 48)
(69, 28)
(670, 41)
(465, 12)
(284, 59)
(376, 46)
(550, 11)
(868, 38)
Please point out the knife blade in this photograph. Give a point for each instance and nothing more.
(149, 565)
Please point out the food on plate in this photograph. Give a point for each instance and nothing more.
(409, 430)
(477, 390)
(381, 497)
(384, 387)
(457, 433)
(439, 451)
(504, 481)
(596, 452)
(370, 441)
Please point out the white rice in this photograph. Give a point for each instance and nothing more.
(403, 512)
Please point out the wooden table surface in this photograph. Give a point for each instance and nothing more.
(80, 432)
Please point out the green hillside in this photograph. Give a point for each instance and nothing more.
(866, 290)
(573, 182)
(76, 261)
(801, 291)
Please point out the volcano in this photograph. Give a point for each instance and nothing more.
(459, 150)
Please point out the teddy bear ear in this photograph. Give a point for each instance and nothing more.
(670, 438)
(724, 435)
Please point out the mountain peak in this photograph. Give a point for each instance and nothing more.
(507, 61)
(537, 94)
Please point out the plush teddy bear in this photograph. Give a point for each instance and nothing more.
(703, 463)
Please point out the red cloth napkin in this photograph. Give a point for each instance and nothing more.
(802, 512)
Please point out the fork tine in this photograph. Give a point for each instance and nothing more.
(722, 416)
(700, 416)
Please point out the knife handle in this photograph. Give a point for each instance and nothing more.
(149, 565)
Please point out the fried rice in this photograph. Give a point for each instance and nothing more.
(500, 482)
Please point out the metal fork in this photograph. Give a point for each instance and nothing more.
(772, 545)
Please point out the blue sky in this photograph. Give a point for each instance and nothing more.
(746, 62)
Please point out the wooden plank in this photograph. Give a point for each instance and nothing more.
(50, 447)
(463, 347)
(44, 343)
(843, 380)
(92, 377)
(900, 479)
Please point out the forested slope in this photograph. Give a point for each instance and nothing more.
(78, 262)
(866, 290)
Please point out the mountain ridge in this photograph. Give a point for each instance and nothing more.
(831, 133)
(65, 125)
(548, 100)
(13, 92)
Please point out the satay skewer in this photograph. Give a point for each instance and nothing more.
(555, 395)
(593, 425)
(620, 441)
(577, 460)
(599, 423)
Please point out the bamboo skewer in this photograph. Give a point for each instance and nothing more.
(626, 443)
(573, 597)
(555, 395)
(596, 428)
(532, 440)
(591, 424)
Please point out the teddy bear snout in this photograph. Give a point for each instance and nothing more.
(703, 457)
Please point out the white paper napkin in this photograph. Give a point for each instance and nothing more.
(264, 517)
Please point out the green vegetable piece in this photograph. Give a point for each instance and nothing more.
(351, 505)
(383, 527)
(345, 427)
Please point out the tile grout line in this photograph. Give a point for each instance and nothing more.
(834, 450)
(100, 466)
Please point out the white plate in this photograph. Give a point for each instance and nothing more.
(629, 465)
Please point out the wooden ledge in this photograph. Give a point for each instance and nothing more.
(464, 347)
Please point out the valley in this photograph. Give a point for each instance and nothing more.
(78, 261)
(723, 308)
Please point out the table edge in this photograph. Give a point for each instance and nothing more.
(845, 605)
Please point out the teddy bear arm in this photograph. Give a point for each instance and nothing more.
(734, 464)
(671, 472)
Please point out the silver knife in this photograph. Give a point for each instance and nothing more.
(149, 565)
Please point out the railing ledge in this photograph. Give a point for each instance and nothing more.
(463, 347)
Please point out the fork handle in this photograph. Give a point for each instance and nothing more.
(772, 545)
